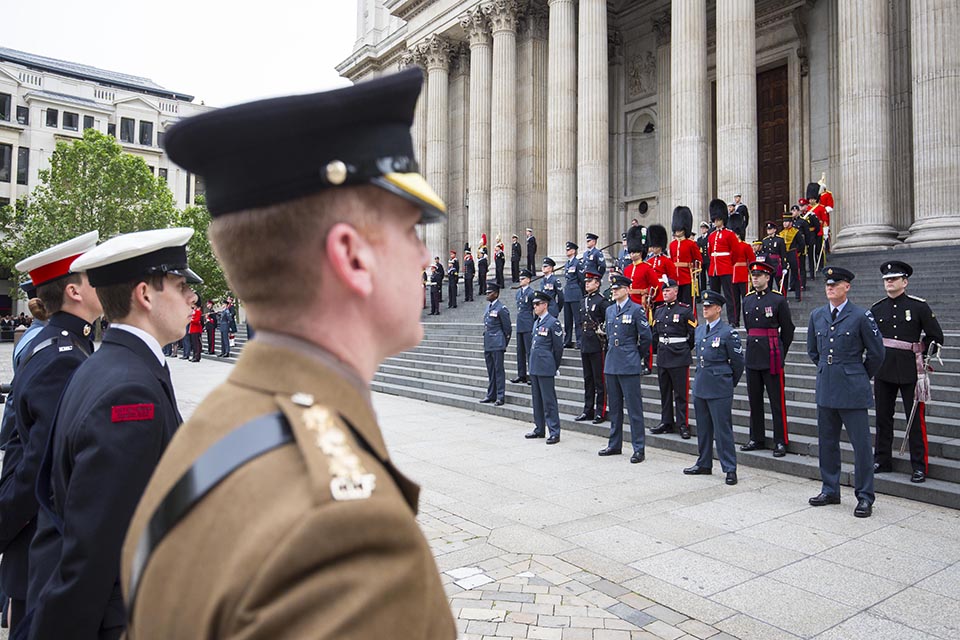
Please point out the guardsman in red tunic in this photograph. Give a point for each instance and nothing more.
(818, 210)
(826, 199)
(643, 278)
(722, 244)
(684, 252)
(743, 255)
(662, 265)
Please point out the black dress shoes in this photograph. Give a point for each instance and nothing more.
(532, 435)
(822, 499)
(882, 468)
(583, 416)
(753, 445)
(486, 400)
(637, 457)
(607, 451)
(498, 403)
(518, 379)
(598, 419)
(569, 345)
(662, 428)
(918, 476)
(780, 450)
(697, 471)
(731, 477)
(553, 439)
(685, 433)
(864, 509)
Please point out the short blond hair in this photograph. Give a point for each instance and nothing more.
(272, 255)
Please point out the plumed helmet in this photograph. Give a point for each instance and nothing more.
(635, 240)
(682, 221)
(813, 191)
(718, 210)
(657, 236)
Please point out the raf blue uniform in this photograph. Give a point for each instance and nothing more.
(628, 342)
(719, 356)
(496, 336)
(545, 357)
(573, 290)
(848, 352)
(550, 285)
(225, 322)
(114, 421)
(594, 262)
(525, 320)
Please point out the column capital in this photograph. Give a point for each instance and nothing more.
(436, 51)
(477, 26)
(411, 58)
(535, 21)
(615, 46)
(503, 15)
(661, 27)
(460, 58)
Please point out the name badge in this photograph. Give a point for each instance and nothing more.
(494, 313)
(627, 319)
(716, 342)
(768, 311)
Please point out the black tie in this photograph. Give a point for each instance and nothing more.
(833, 314)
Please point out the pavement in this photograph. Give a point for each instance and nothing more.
(553, 542)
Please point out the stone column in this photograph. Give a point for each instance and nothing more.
(503, 127)
(561, 127)
(688, 104)
(865, 156)
(458, 215)
(736, 104)
(936, 114)
(532, 123)
(616, 151)
(436, 52)
(478, 31)
(661, 27)
(593, 120)
(418, 132)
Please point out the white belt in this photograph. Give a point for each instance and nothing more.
(666, 340)
(721, 253)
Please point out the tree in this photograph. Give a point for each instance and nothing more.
(91, 184)
(200, 253)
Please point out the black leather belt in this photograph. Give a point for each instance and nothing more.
(243, 444)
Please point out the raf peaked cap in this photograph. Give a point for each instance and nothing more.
(493, 285)
(572, 245)
(617, 281)
(550, 262)
(540, 296)
(525, 273)
(896, 269)
(592, 236)
(134, 255)
(54, 263)
(837, 274)
(272, 151)
(711, 297)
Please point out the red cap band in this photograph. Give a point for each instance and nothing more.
(52, 271)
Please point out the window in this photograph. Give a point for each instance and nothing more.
(111, 129)
(127, 127)
(53, 117)
(160, 138)
(187, 201)
(23, 115)
(4, 202)
(88, 122)
(146, 133)
(23, 165)
(6, 161)
(71, 121)
(153, 169)
(162, 174)
(5, 102)
(199, 189)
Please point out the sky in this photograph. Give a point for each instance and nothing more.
(221, 52)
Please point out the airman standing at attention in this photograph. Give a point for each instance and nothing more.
(546, 353)
(525, 320)
(550, 285)
(572, 296)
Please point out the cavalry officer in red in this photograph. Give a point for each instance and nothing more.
(902, 319)
(770, 329)
(722, 245)
(684, 252)
(662, 265)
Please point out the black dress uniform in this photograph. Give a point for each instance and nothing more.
(515, 255)
(531, 253)
(770, 329)
(436, 281)
(499, 260)
(908, 326)
(674, 326)
(453, 278)
(440, 281)
(483, 264)
(469, 271)
(593, 314)
(774, 250)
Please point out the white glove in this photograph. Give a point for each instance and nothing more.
(826, 231)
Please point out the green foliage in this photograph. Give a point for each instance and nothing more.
(200, 253)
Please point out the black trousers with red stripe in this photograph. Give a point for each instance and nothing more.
(757, 381)
(594, 394)
(674, 392)
(885, 394)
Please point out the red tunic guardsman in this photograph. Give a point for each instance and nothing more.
(743, 255)
(722, 244)
(662, 265)
(642, 276)
(684, 252)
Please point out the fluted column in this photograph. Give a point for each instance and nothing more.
(866, 162)
(503, 127)
(736, 100)
(436, 52)
(532, 122)
(418, 132)
(478, 31)
(661, 27)
(561, 126)
(593, 119)
(936, 120)
(688, 103)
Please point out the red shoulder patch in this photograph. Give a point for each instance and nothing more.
(131, 412)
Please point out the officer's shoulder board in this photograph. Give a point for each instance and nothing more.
(917, 298)
(753, 292)
(878, 302)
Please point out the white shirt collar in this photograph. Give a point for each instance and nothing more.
(840, 308)
(150, 341)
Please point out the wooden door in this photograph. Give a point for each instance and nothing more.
(773, 145)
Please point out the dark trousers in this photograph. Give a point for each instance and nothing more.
(499, 276)
(685, 293)
(524, 342)
(625, 390)
(885, 394)
(515, 270)
(594, 396)
(196, 346)
(211, 340)
(757, 381)
(224, 342)
(435, 300)
(571, 322)
(796, 277)
(468, 289)
(482, 284)
(739, 293)
(18, 608)
(812, 252)
(829, 423)
(674, 391)
(452, 294)
(187, 346)
(532, 263)
(496, 376)
(546, 413)
(715, 422)
(724, 285)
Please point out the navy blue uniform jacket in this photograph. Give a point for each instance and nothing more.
(628, 339)
(848, 353)
(496, 327)
(719, 356)
(547, 349)
(525, 315)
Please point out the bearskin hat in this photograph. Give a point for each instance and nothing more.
(813, 191)
(718, 210)
(682, 221)
(657, 236)
(635, 240)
